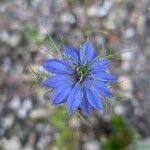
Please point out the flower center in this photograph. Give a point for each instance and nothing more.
(82, 71)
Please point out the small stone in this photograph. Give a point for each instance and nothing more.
(15, 103)
(110, 24)
(129, 33)
(43, 31)
(119, 109)
(39, 114)
(12, 144)
(19, 69)
(127, 56)
(14, 40)
(27, 104)
(126, 66)
(28, 147)
(74, 123)
(6, 65)
(92, 145)
(42, 142)
(8, 121)
(22, 113)
(67, 18)
(125, 83)
(43, 128)
(4, 36)
(100, 10)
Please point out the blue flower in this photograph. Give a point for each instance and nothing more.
(79, 79)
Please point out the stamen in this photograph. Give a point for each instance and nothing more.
(81, 72)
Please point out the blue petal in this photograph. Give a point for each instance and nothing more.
(74, 99)
(94, 98)
(85, 107)
(58, 66)
(104, 90)
(99, 65)
(87, 52)
(72, 53)
(104, 76)
(99, 85)
(60, 94)
(56, 80)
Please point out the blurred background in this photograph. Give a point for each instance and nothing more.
(27, 120)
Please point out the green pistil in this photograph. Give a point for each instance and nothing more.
(82, 72)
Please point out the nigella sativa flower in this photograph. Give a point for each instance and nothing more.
(79, 79)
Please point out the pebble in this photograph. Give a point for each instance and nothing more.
(110, 24)
(28, 147)
(19, 69)
(12, 144)
(91, 145)
(4, 36)
(126, 86)
(15, 103)
(126, 66)
(127, 61)
(27, 104)
(129, 32)
(8, 121)
(14, 40)
(43, 128)
(22, 113)
(127, 56)
(99, 10)
(39, 114)
(42, 142)
(67, 18)
(6, 65)
(125, 83)
(74, 123)
(119, 109)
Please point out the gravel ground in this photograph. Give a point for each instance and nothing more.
(121, 25)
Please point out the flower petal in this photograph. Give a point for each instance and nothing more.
(74, 99)
(98, 85)
(85, 107)
(104, 76)
(94, 98)
(58, 66)
(72, 53)
(56, 80)
(99, 65)
(59, 95)
(87, 52)
(102, 87)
